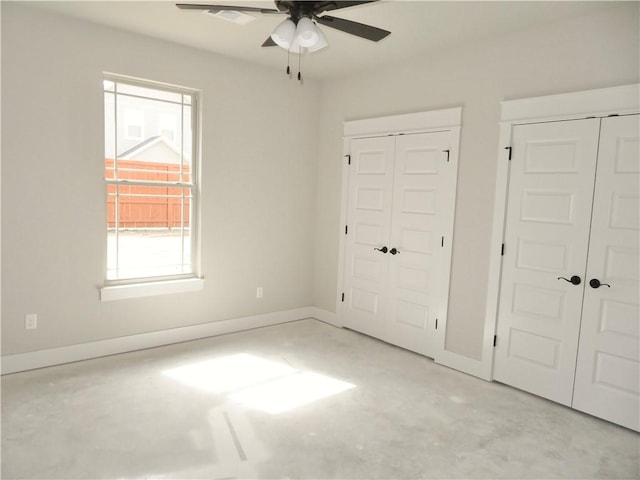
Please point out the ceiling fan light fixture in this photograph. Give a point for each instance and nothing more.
(284, 34)
(307, 32)
(299, 33)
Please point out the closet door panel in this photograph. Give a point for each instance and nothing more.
(607, 382)
(546, 237)
(369, 214)
(416, 284)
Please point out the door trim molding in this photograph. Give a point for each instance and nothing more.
(567, 106)
(445, 119)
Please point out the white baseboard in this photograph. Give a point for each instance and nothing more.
(477, 368)
(101, 348)
(73, 353)
(325, 316)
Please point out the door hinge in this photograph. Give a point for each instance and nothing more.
(346, 229)
(502, 250)
(448, 154)
(436, 323)
(495, 340)
(348, 159)
(343, 296)
(510, 150)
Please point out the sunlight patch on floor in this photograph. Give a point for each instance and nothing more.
(290, 392)
(261, 384)
(230, 373)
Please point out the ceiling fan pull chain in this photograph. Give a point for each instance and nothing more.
(288, 68)
(299, 64)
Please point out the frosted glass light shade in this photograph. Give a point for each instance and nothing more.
(284, 33)
(307, 32)
(321, 43)
(295, 45)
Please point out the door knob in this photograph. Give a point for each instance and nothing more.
(595, 283)
(393, 251)
(383, 249)
(576, 280)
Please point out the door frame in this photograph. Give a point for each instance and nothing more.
(449, 119)
(603, 102)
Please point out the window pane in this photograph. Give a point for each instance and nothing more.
(133, 123)
(148, 231)
(143, 139)
(167, 127)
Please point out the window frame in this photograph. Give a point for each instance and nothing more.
(117, 288)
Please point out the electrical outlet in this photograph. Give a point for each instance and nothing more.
(31, 321)
(259, 292)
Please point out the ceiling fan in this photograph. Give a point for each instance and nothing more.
(299, 33)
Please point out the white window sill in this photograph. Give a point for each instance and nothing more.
(149, 289)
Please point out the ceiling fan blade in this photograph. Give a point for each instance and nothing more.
(354, 28)
(269, 42)
(327, 6)
(219, 8)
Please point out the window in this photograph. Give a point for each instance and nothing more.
(150, 184)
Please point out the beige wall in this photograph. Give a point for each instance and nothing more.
(258, 183)
(593, 51)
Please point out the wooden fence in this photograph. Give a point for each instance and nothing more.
(147, 206)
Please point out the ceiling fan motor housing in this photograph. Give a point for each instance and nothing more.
(297, 9)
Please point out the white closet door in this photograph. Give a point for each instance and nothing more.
(399, 208)
(608, 374)
(369, 218)
(417, 281)
(546, 237)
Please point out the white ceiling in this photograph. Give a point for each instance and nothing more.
(417, 27)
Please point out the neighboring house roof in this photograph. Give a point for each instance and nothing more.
(153, 149)
(127, 153)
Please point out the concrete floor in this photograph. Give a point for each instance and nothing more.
(299, 400)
